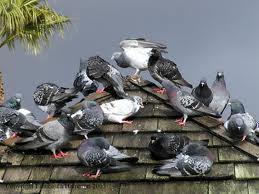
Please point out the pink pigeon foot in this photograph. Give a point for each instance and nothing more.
(56, 156)
(92, 176)
(179, 120)
(159, 90)
(127, 122)
(63, 154)
(100, 91)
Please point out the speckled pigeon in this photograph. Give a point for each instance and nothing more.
(195, 159)
(118, 110)
(82, 82)
(101, 157)
(88, 118)
(51, 136)
(203, 93)
(15, 103)
(161, 68)
(238, 109)
(16, 121)
(51, 98)
(221, 95)
(185, 103)
(135, 54)
(164, 146)
(100, 70)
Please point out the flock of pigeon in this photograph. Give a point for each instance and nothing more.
(178, 154)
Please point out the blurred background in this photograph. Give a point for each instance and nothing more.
(202, 36)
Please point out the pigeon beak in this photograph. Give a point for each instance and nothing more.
(239, 128)
(244, 137)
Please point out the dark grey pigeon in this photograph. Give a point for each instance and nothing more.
(236, 127)
(203, 93)
(100, 157)
(195, 159)
(82, 82)
(14, 102)
(51, 98)
(221, 95)
(161, 68)
(165, 146)
(16, 121)
(185, 103)
(238, 109)
(135, 54)
(100, 70)
(88, 118)
(51, 136)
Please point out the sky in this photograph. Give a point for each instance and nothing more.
(203, 37)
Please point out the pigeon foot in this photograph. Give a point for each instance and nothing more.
(63, 154)
(100, 91)
(56, 156)
(159, 90)
(127, 122)
(92, 176)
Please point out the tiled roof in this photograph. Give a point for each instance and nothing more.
(235, 169)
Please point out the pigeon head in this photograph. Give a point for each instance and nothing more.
(14, 102)
(203, 82)
(236, 107)
(220, 75)
(237, 127)
(139, 101)
(89, 104)
(100, 142)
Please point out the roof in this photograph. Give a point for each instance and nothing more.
(235, 169)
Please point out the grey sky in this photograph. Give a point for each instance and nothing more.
(203, 36)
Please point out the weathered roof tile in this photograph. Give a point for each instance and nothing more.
(247, 171)
(228, 187)
(148, 124)
(56, 188)
(17, 174)
(92, 188)
(40, 174)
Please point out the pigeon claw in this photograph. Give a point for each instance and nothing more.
(179, 120)
(127, 122)
(63, 154)
(100, 91)
(159, 90)
(92, 176)
(182, 124)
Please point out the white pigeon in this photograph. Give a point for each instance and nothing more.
(135, 53)
(118, 110)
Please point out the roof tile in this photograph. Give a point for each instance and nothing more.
(93, 188)
(228, 187)
(40, 174)
(247, 171)
(17, 174)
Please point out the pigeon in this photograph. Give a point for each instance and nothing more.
(15, 103)
(50, 136)
(135, 53)
(185, 103)
(118, 110)
(164, 146)
(161, 68)
(16, 121)
(203, 93)
(238, 109)
(221, 95)
(51, 98)
(195, 159)
(6, 133)
(236, 128)
(100, 70)
(83, 83)
(88, 118)
(99, 156)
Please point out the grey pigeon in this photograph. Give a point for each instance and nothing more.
(185, 103)
(16, 121)
(238, 109)
(88, 118)
(195, 159)
(51, 136)
(100, 70)
(221, 95)
(161, 68)
(51, 98)
(236, 128)
(203, 93)
(164, 146)
(135, 54)
(118, 110)
(14, 102)
(100, 157)
(82, 82)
